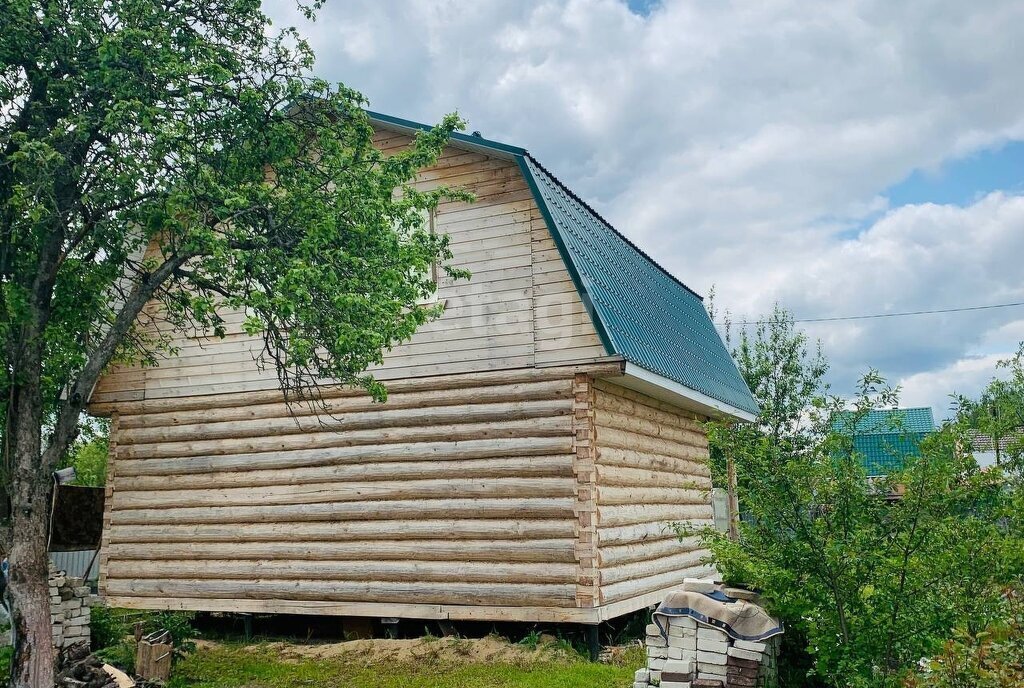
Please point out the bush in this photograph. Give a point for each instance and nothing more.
(113, 630)
(991, 658)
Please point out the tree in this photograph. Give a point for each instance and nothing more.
(177, 152)
(871, 582)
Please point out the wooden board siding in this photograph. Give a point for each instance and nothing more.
(652, 469)
(460, 490)
(519, 309)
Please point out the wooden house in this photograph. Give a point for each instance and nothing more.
(538, 440)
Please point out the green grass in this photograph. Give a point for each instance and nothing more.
(260, 666)
(5, 662)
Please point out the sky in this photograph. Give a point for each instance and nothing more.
(841, 158)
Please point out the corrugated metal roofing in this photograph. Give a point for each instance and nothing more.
(639, 309)
(886, 438)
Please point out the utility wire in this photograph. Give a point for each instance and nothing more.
(887, 315)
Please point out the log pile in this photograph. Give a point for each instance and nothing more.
(692, 654)
(76, 668)
(71, 602)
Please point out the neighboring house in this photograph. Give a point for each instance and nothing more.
(538, 441)
(885, 438)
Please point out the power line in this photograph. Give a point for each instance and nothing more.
(888, 315)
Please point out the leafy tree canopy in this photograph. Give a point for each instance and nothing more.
(177, 158)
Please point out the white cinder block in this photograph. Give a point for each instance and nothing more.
(747, 645)
(712, 645)
(655, 665)
(653, 629)
(657, 652)
(675, 652)
(698, 585)
(675, 684)
(710, 658)
(657, 641)
(642, 676)
(740, 653)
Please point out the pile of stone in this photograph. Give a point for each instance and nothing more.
(71, 602)
(689, 653)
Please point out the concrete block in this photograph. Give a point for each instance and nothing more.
(82, 591)
(698, 585)
(652, 629)
(655, 664)
(681, 622)
(642, 675)
(675, 652)
(675, 684)
(657, 652)
(656, 641)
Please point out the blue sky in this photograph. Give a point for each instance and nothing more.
(837, 158)
(962, 181)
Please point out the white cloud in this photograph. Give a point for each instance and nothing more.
(744, 144)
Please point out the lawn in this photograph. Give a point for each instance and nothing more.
(439, 663)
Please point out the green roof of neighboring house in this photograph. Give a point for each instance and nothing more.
(885, 438)
(640, 311)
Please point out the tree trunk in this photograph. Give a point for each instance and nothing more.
(33, 663)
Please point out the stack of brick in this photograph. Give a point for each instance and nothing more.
(71, 602)
(698, 655)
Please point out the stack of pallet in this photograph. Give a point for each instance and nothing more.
(692, 654)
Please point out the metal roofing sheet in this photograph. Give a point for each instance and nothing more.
(642, 312)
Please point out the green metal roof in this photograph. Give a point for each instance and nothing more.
(886, 438)
(641, 312)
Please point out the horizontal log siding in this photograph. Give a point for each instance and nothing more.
(652, 469)
(454, 492)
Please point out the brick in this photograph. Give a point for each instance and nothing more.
(679, 666)
(642, 676)
(712, 671)
(739, 653)
(675, 684)
(710, 658)
(653, 629)
(675, 652)
(657, 641)
(709, 645)
(657, 652)
(712, 633)
(681, 622)
(686, 643)
(655, 665)
(740, 662)
(698, 585)
(747, 645)
(640, 684)
(707, 683)
(655, 676)
(743, 681)
(82, 591)
(741, 594)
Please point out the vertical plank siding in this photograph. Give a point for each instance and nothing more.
(652, 470)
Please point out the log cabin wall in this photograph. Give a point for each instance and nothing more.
(461, 490)
(652, 469)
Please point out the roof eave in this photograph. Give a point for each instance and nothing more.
(659, 386)
(477, 144)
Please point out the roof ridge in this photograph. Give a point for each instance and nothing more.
(610, 226)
